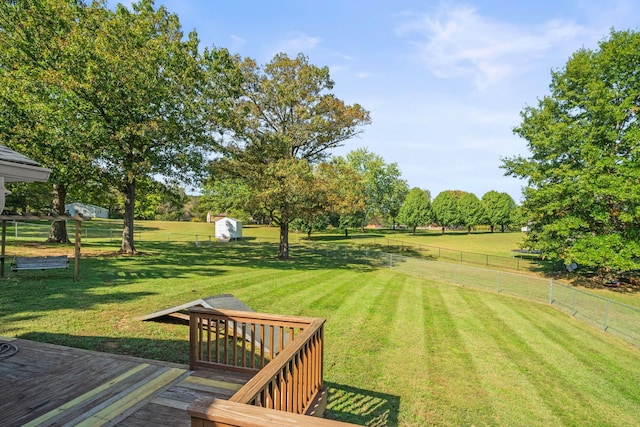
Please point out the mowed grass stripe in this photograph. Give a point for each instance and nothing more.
(352, 333)
(287, 291)
(501, 365)
(454, 390)
(567, 392)
(321, 297)
(407, 337)
(605, 384)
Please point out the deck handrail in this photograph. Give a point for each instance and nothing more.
(293, 379)
(284, 352)
(215, 334)
(218, 412)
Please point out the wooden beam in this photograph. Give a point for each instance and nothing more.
(4, 241)
(76, 257)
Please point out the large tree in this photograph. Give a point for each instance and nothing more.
(285, 121)
(40, 115)
(384, 188)
(132, 80)
(447, 210)
(416, 209)
(471, 210)
(583, 193)
(499, 209)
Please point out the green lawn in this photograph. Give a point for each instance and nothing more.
(400, 350)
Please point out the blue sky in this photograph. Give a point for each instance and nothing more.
(444, 81)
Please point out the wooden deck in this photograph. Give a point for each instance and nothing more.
(45, 384)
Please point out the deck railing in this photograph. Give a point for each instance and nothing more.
(284, 352)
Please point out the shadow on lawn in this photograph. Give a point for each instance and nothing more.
(362, 407)
(174, 351)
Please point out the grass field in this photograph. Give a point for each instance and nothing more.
(400, 350)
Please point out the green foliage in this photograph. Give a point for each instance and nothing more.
(499, 209)
(28, 197)
(416, 209)
(120, 92)
(446, 209)
(583, 197)
(226, 195)
(471, 210)
(384, 190)
(284, 123)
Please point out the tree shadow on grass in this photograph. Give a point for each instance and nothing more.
(362, 407)
(174, 351)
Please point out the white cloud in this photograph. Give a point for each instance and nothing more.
(298, 42)
(237, 43)
(458, 42)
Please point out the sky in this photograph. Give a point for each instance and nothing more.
(444, 81)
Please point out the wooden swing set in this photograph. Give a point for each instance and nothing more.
(41, 262)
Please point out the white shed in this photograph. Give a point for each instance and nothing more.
(228, 228)
(86, 210)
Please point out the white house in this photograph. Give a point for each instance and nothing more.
(14, 167)
(86, 210)
(228, 228)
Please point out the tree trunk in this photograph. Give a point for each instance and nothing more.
(58, 229)
(469, 230)
(127, 246)
(414, 229)
(442, 229)
(492, 227)
(346, 233)
(283, 249)
(502, 228)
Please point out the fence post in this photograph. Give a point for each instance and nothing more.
(606, 317)
(573, 304)
(390, 260)
(487, 258)
(197, 241)
(497, 282)
(551, 292)
(455, 267)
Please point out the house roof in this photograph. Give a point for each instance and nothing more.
(15, 167)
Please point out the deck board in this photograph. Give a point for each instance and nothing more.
(46, 384)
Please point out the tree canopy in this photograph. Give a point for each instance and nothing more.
(447, 210)
(583, 195)
(128, 93)
(416, 209)
(384, 189)
(499, 209)
(471, 210)
(285, 121)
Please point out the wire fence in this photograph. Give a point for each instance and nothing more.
(618, 319)
(20, 232)
(522, 261)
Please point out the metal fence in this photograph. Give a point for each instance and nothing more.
(522, 261)
(618, 319)
(613, 317)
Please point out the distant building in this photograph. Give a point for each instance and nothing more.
(228, 228)
(86, 210)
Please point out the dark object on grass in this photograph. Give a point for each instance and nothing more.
(612, 284)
